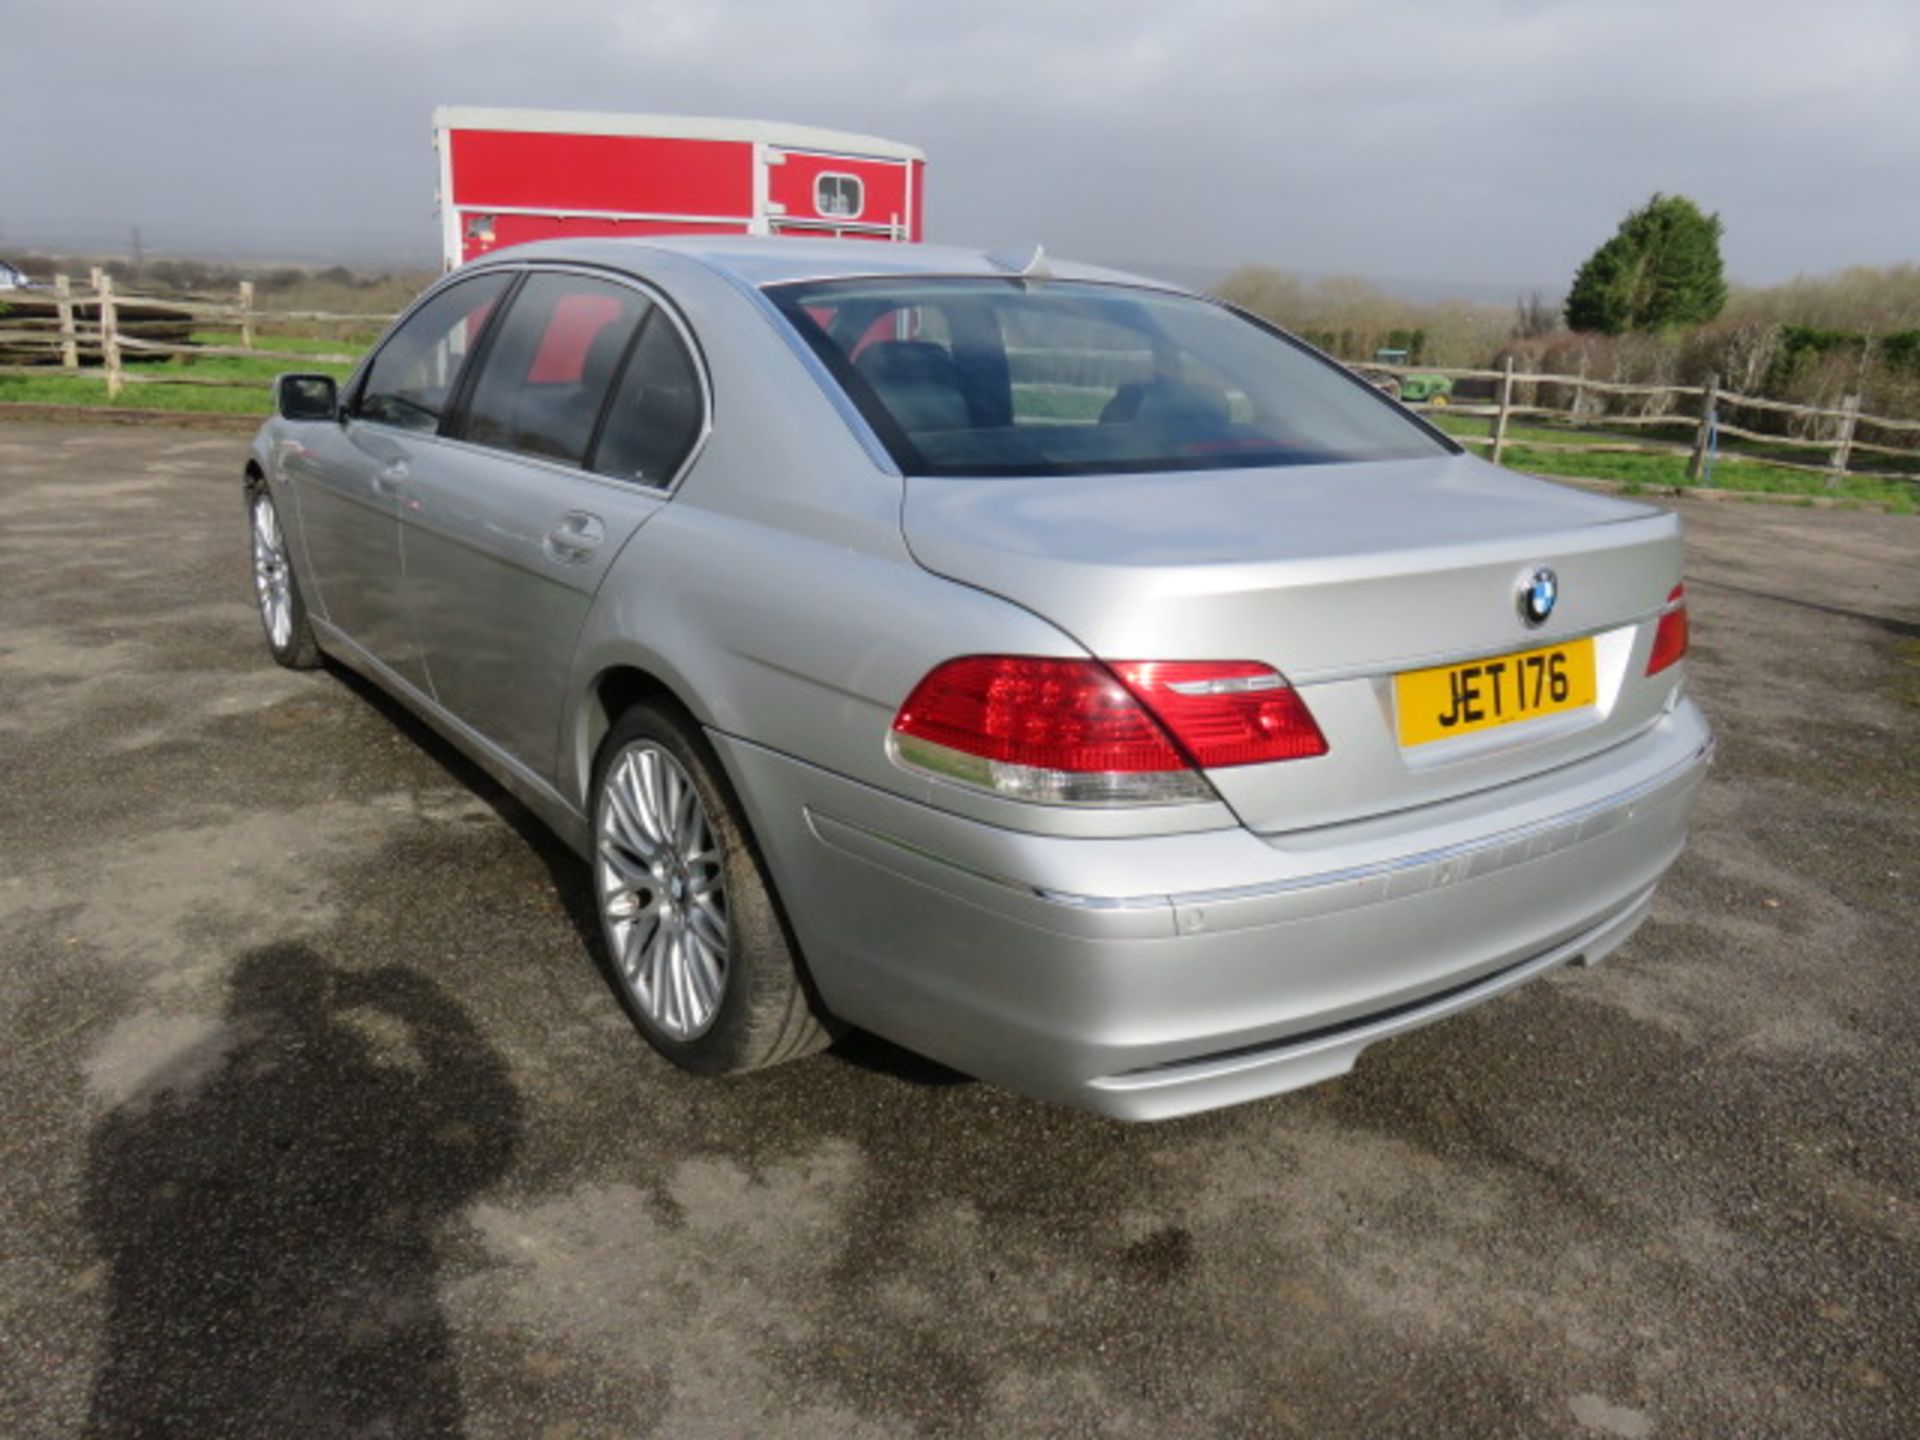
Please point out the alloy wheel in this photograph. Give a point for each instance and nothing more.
(272, 580)
(662, 890)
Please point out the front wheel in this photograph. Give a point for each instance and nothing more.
(283, 614)
(696, 941)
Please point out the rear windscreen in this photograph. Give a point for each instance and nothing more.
(984, 376)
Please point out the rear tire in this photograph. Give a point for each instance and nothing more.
(700, 956)
(276, 590)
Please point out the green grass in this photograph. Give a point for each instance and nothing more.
(1733, 469)
(1518, 434)
(56, 389)
(1670, 472)
(1033, 400)
(300, 344)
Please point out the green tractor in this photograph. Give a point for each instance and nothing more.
(1418, 388)
(1426, 389)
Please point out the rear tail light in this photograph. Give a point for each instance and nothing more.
(1235, 712)
(1077, 732)
(1670, 634)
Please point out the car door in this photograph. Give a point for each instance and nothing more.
(585, 406)
(350, 480)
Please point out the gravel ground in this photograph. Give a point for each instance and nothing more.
(320, 1116)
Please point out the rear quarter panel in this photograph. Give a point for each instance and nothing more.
(775, 595)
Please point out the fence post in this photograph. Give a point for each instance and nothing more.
(1580, 391)
(246, 314)
(69, 337)
(1703, 437)
(1843, 447)
(110, 338)
(1506, 404)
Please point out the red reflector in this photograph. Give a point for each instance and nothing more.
(1045, 713)
(1670, 634)
(1235, 712)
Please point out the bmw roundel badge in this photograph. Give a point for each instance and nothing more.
(1539, 589)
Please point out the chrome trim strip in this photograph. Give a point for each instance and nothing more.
(1408, 665)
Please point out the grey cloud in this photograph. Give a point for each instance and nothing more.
(1484, 140)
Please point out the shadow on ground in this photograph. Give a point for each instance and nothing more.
(270, 1219)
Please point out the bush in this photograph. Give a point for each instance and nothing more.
(1353, 319)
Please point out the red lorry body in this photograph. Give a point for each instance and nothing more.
(511, 176)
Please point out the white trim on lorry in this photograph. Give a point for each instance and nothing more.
(673, 127)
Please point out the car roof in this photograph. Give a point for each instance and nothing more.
(778, 260)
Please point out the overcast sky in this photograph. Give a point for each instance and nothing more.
(1485, 141)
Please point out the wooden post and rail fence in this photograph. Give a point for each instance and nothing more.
(1705, 413)
(97, 334)
(98, 331)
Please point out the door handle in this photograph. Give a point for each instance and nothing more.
(388, 479)
(574, 539)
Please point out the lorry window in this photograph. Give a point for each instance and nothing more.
(840, 196)
(657, 413)
(416, 370)
(547, 373)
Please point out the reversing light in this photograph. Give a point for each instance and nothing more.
(1670, 637)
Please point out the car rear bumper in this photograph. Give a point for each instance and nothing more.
(1154, 976)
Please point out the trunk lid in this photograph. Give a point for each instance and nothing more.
(1340, 577)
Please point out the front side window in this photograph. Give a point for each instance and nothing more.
(414, 375)
(990, 376)
(547, 372)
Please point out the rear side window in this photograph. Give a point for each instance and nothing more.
(989, 376)
(657, 412)
(548, 370)
(414, 375)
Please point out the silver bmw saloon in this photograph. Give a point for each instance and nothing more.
(1064, 676)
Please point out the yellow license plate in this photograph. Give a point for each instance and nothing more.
(1451, 700)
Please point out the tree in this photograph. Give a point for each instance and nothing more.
(1662, 267)
(1534, 315)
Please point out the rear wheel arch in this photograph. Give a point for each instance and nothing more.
(616, 689)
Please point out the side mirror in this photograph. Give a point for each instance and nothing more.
(306, 397)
